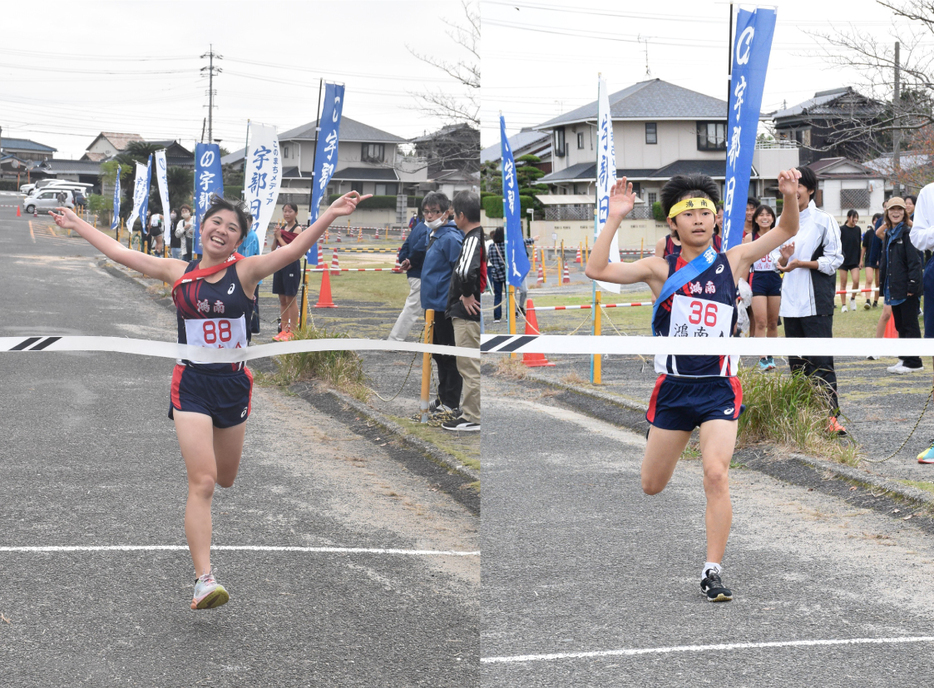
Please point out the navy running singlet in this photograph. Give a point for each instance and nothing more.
(214, 316)
(704, 307)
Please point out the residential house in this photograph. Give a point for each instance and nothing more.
(527, 142)
(452, 153)
(107, 144)
(176, 155)
(845, 185)
(832, 124)
(368, 161)
(24, 149)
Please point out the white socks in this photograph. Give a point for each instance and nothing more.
(710, 565)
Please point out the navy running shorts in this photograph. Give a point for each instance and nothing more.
(225, 397)
(287, 280)
(684, 403)
(766, 283)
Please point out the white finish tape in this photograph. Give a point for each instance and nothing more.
(145, 347)
(702, 346)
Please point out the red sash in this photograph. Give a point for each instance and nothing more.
(287, 236)
(201, 273)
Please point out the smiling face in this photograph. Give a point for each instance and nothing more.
(764, 221)
(909, 206)
(896, 215)
(220, 234)
(804, 196)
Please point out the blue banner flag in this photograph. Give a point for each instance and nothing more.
(144, 200)
(329, 126)
(517, 261)
(208, 181)
(116, 220)
(751, 49)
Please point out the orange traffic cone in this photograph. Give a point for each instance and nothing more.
(320, 254)
(335, 264)
(531, 327)
(35, 212)
(567, 275)
(17, 212)
(377, 234)
(580, 256)
(890, 331)
(324, 297)
(339, 236)
(540, 280)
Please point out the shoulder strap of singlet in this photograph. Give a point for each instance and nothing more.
(201, 273)
(682, 276)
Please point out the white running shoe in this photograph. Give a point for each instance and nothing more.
(843, 310)
(901, 369)
(208, 593)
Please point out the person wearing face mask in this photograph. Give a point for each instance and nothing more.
(175, 241)
(183, 232)
(900, 278)
(444, 247)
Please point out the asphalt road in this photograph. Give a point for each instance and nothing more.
(589, 582)
(89, 460)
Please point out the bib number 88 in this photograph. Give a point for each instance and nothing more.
(216, 330)
(701, 310)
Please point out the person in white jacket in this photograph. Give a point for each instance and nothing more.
(810, 265)
(922, 238)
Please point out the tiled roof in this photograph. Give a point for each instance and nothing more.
(830, 103)
(587, 171)
(118, 140)
(715, 169)
(24, 144)
(649, 100)
(526, 137)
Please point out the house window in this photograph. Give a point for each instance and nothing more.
(559, 143)
(854, 198)
(285, 151)
(357, 186)
(711, 136)
(651, 133)
(372, 152)
(580, 141)
(385, 190)
(653, 197)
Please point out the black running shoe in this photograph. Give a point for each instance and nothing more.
(713, 587)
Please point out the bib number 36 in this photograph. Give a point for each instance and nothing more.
(703, 311)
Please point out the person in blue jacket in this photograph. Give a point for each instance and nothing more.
(443, 249)
(410, 257)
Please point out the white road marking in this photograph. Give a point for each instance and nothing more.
(238, 548)
(703, 648)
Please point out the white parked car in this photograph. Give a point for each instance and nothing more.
(46, 199)
(27, 188)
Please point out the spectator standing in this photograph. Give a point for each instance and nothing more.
(900, 276)
(444, 247)
(766, 284)
(285, 282)
(850, 235)
(175, 241)
(922, 237)
(411, 257)
(872, 250)
(810, 265)
(496, 273)
(184, 230)
(156, 230)
(467, 284)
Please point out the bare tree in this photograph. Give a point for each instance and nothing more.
(903, 126)
(462, 103)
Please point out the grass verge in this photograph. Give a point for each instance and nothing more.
(340, 369)
(790, 411)
(446, 442)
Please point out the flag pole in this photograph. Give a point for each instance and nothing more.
(311, 210)
(595, 358)
(510, 300)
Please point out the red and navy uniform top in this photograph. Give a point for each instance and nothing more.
(673, 249)
(224, 309)
(704, 307)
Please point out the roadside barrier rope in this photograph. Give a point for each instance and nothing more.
(917, 423)
(704, 346)
(145, 347)
(431, 328)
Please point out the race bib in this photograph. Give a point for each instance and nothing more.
(764, 264)
(692, 317)
(216, 333)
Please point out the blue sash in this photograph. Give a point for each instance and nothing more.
(682, 277)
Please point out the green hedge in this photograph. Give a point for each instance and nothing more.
(657, 212)
(9, 185)
(493, 205)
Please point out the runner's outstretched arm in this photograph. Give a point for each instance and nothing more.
(165, 269)
(650, 270)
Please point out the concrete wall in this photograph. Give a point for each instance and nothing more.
(831, 197)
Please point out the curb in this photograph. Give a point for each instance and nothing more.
(425, 448)
(430, 450)
(852, 475)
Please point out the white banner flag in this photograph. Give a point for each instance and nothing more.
(606, 174)
(262, 179)
(163, 180)
(140, 193)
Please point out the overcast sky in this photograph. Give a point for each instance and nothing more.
(69, 70)
(542, 57)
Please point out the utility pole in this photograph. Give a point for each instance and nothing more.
(897, 137)
(211, 70)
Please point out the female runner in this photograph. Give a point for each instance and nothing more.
(693, 391)
(210, 402)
